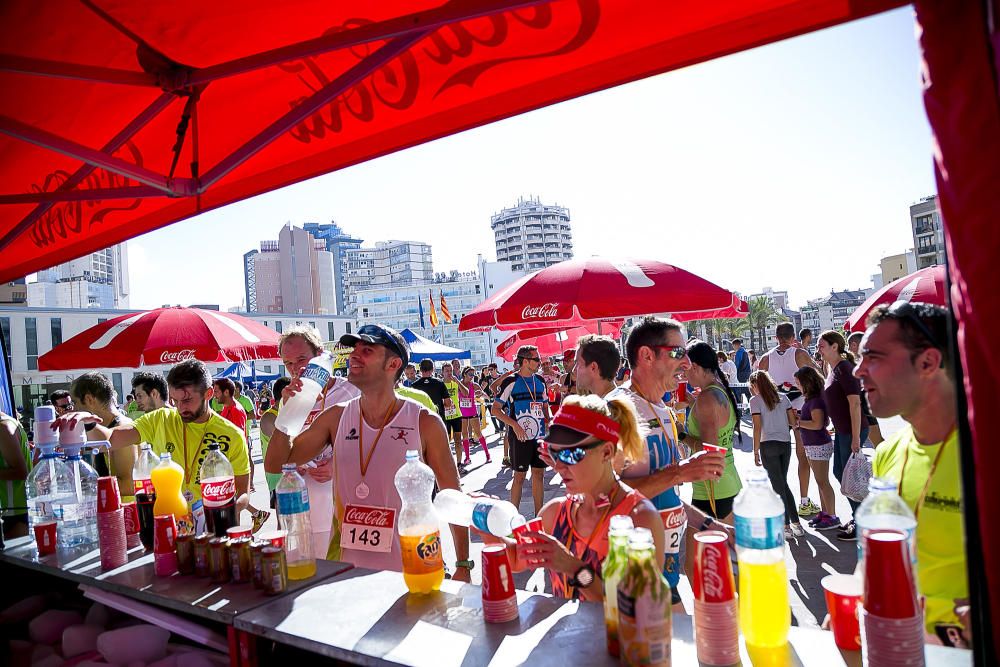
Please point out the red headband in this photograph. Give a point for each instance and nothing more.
(587, 421)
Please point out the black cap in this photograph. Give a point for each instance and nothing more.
(379, 335)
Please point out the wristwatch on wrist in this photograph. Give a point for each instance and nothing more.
(707, 523)
(583, 577)
(467, 564)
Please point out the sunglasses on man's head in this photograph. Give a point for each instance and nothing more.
(906, 310)
(673, 351)
(573, 455)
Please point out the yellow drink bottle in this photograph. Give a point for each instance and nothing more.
(419, 537)
(765, 615)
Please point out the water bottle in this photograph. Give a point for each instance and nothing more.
(293, 516)
(489, 515)
(78, 510)
(765, 615)
(50, 480)
(884, 508)
(294, 412)
(419, 536)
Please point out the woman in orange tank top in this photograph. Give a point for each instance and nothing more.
(585, 438)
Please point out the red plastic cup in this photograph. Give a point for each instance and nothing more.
(164, 534)
(682, 392)
(237, 532)
(45, 537)
(275, 537)
(890, 591)
(713, 571)
(108, 498)
(843, 596)
(533, 526)
(131, 524)
(713, 448)
(499, 597)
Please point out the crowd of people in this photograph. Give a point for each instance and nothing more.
(626, 427)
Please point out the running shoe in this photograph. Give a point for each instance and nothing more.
(259, 517)
(797, 530)
(827, 523)
(788, 532)
(849, 533)
(808, 508)
(816, 519)
(467, 462)
(505, 463)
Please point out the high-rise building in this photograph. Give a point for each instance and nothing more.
(388, 264)
(294, 274)
(338, 243)
(97, 280)
(928, 234)
(532, 235)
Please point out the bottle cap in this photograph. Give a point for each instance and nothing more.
(881, 484)
(640, 538)
(620, 524)
(412, 455)
(45, 413)
(164, 457)
(288, 467)
(213, 446)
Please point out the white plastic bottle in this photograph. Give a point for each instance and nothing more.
(419, 535)
(50, 480)
(293, 516)
(293, 414)
(497, 517)
(78, 510)
(884, 508)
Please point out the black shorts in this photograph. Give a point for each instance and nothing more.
(724, 506)
(454, 425)
(524, 454)
(15, 520)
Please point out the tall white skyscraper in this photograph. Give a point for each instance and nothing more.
(532, 235)
(97, 280)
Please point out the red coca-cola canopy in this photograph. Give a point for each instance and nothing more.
(555, 342)
(926, 285)
(119, 117)
(164, 336)
(576, 291)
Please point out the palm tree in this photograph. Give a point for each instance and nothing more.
(763, 313)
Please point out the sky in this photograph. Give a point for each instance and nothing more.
(790, 166)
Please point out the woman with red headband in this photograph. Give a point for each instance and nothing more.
(585, 438)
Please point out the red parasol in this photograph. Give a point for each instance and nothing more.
(599, 289)
(926, 285)
(553, 341)
(120, 117)
(164, 336)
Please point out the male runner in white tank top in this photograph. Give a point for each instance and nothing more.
(370, 436)
(297, 346)
(781, 362)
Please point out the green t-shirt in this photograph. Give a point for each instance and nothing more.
(12, 493)
(165, 431)
(452, 412)
(418, 396)
(941, 566)
(729, 484)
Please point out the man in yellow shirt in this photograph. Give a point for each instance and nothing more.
(905, 371)
(184, 432)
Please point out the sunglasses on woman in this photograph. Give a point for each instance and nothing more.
(572, 455)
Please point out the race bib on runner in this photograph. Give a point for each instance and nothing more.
(465, 403)
(536, 410)
(674, 521)
(368, 528)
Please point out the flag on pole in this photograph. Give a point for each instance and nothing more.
(420, 307)
(434, 315)
(445, 313)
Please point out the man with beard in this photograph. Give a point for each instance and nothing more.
(184, 432)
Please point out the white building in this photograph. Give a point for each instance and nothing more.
(532, 235)
(294, 274)
(97, 280)
(388, 264)
(928, 232)
(31, 332)
(831, 312)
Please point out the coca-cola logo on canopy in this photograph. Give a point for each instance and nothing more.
(540, 312)
(218, 492)
(375, 517)
(176, 357)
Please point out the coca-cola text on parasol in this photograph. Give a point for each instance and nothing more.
(218, 491)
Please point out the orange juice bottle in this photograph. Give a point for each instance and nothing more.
(167, 478)
(419, 538)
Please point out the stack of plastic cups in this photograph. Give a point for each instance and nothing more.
(499, 598)
(716, 615)
(164, 545)
(110, 524)
(132, 539)
(892, 622)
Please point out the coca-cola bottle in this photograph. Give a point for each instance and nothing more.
(145, 494)
(218, 492)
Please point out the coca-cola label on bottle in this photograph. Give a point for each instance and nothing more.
(218, 491)
(144, 486)
(317, 374)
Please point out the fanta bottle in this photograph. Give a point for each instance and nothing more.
(419, 536)
(168, 477)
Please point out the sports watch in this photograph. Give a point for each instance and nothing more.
(468, 564)
(583, 577)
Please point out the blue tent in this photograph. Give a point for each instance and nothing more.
(421, 348)
(247, 373)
